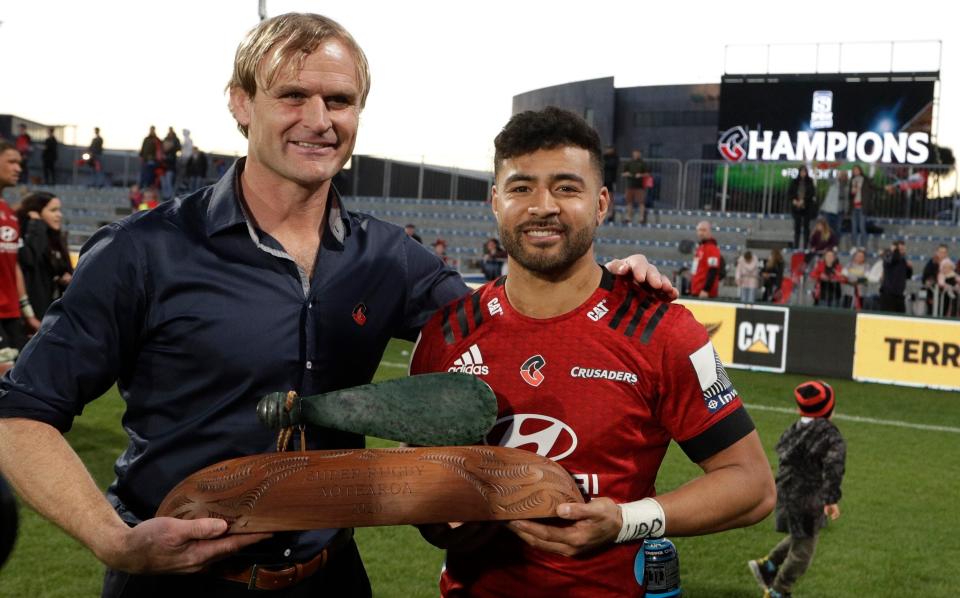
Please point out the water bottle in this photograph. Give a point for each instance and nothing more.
(661, 568)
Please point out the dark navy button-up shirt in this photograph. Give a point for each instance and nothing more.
(195, 314)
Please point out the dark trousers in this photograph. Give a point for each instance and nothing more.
(49, 173)
(343, 576)
(792, 556)
(892, 302)
(801, 229)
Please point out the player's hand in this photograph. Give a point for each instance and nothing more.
(587, 527)
(645, 274)
(458, 536)
(832, 511)
(170, 545)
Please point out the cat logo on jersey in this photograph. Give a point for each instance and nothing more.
(531, 370)
(547, 436)
(598, 311)
(494, 307)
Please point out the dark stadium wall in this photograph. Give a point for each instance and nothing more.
(592, 99)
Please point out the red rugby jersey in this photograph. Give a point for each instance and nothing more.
(601, 390)
(9, 246)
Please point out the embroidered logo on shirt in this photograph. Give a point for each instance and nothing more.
(470, 362)
(360, 314)
(531, 370)
(599, 310)
(494, 307)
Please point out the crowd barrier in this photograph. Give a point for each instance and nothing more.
(868, 347)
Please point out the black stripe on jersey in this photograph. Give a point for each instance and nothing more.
(447, 330)
(500, 281)
(607, 280)
(652, 323)
(477, 314)
(719, 436)
(622, 310)
(632, 327)
(462, 318)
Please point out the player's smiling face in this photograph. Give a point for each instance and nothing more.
(303, 128)
(548, 205)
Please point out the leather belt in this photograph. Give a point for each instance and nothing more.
(285, 575)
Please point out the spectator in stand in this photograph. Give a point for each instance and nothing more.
(897, 269)
(493, 258)
(135, 196)
(196, 169)
(411, 230)
(861, 192)
(828, 274)
(611, 164)
(14, 302)
(50, 147)
(822, 238)
(171, 148)
(186, 152)
(948, 286)
(636, 194)
(707, 263)
(772, 275)
(855, 276)
(44, 257)
(803, 202)
(748, 276)
(931, 271)
(24, 145)
(149, 199)
(151, 153)
(440, 248)
(96, 158)
(835, 203)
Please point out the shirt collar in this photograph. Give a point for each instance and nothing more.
(225, 209)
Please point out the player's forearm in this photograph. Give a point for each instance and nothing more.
(49, 476)
(727, 496)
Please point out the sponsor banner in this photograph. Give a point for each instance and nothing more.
(761, 338)
(909, 351)
(750, 337)
(720, 320)
(821, 342)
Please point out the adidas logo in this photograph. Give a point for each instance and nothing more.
(471, 362)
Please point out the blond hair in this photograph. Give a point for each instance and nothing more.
(270, 46)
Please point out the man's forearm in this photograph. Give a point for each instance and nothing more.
(728, 496)
(49, 476)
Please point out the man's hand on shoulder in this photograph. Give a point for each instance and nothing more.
(586, 527)
(169, 545)
(645, 274)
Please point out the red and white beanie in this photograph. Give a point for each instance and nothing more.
(815, 398)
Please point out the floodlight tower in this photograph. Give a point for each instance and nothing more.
(263, 10)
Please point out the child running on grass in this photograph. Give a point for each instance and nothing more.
(812, 453)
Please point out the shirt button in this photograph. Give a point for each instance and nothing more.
(309, 365)
(287, 552)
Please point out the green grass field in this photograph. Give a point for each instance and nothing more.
(897, 536)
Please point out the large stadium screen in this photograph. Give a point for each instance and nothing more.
(865, 118)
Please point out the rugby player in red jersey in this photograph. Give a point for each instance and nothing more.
(594, 372)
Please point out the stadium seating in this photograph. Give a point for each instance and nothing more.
(466, 225)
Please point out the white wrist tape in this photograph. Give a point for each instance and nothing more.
(641, 519)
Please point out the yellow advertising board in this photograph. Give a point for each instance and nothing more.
(720, 320)
(909, 351)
